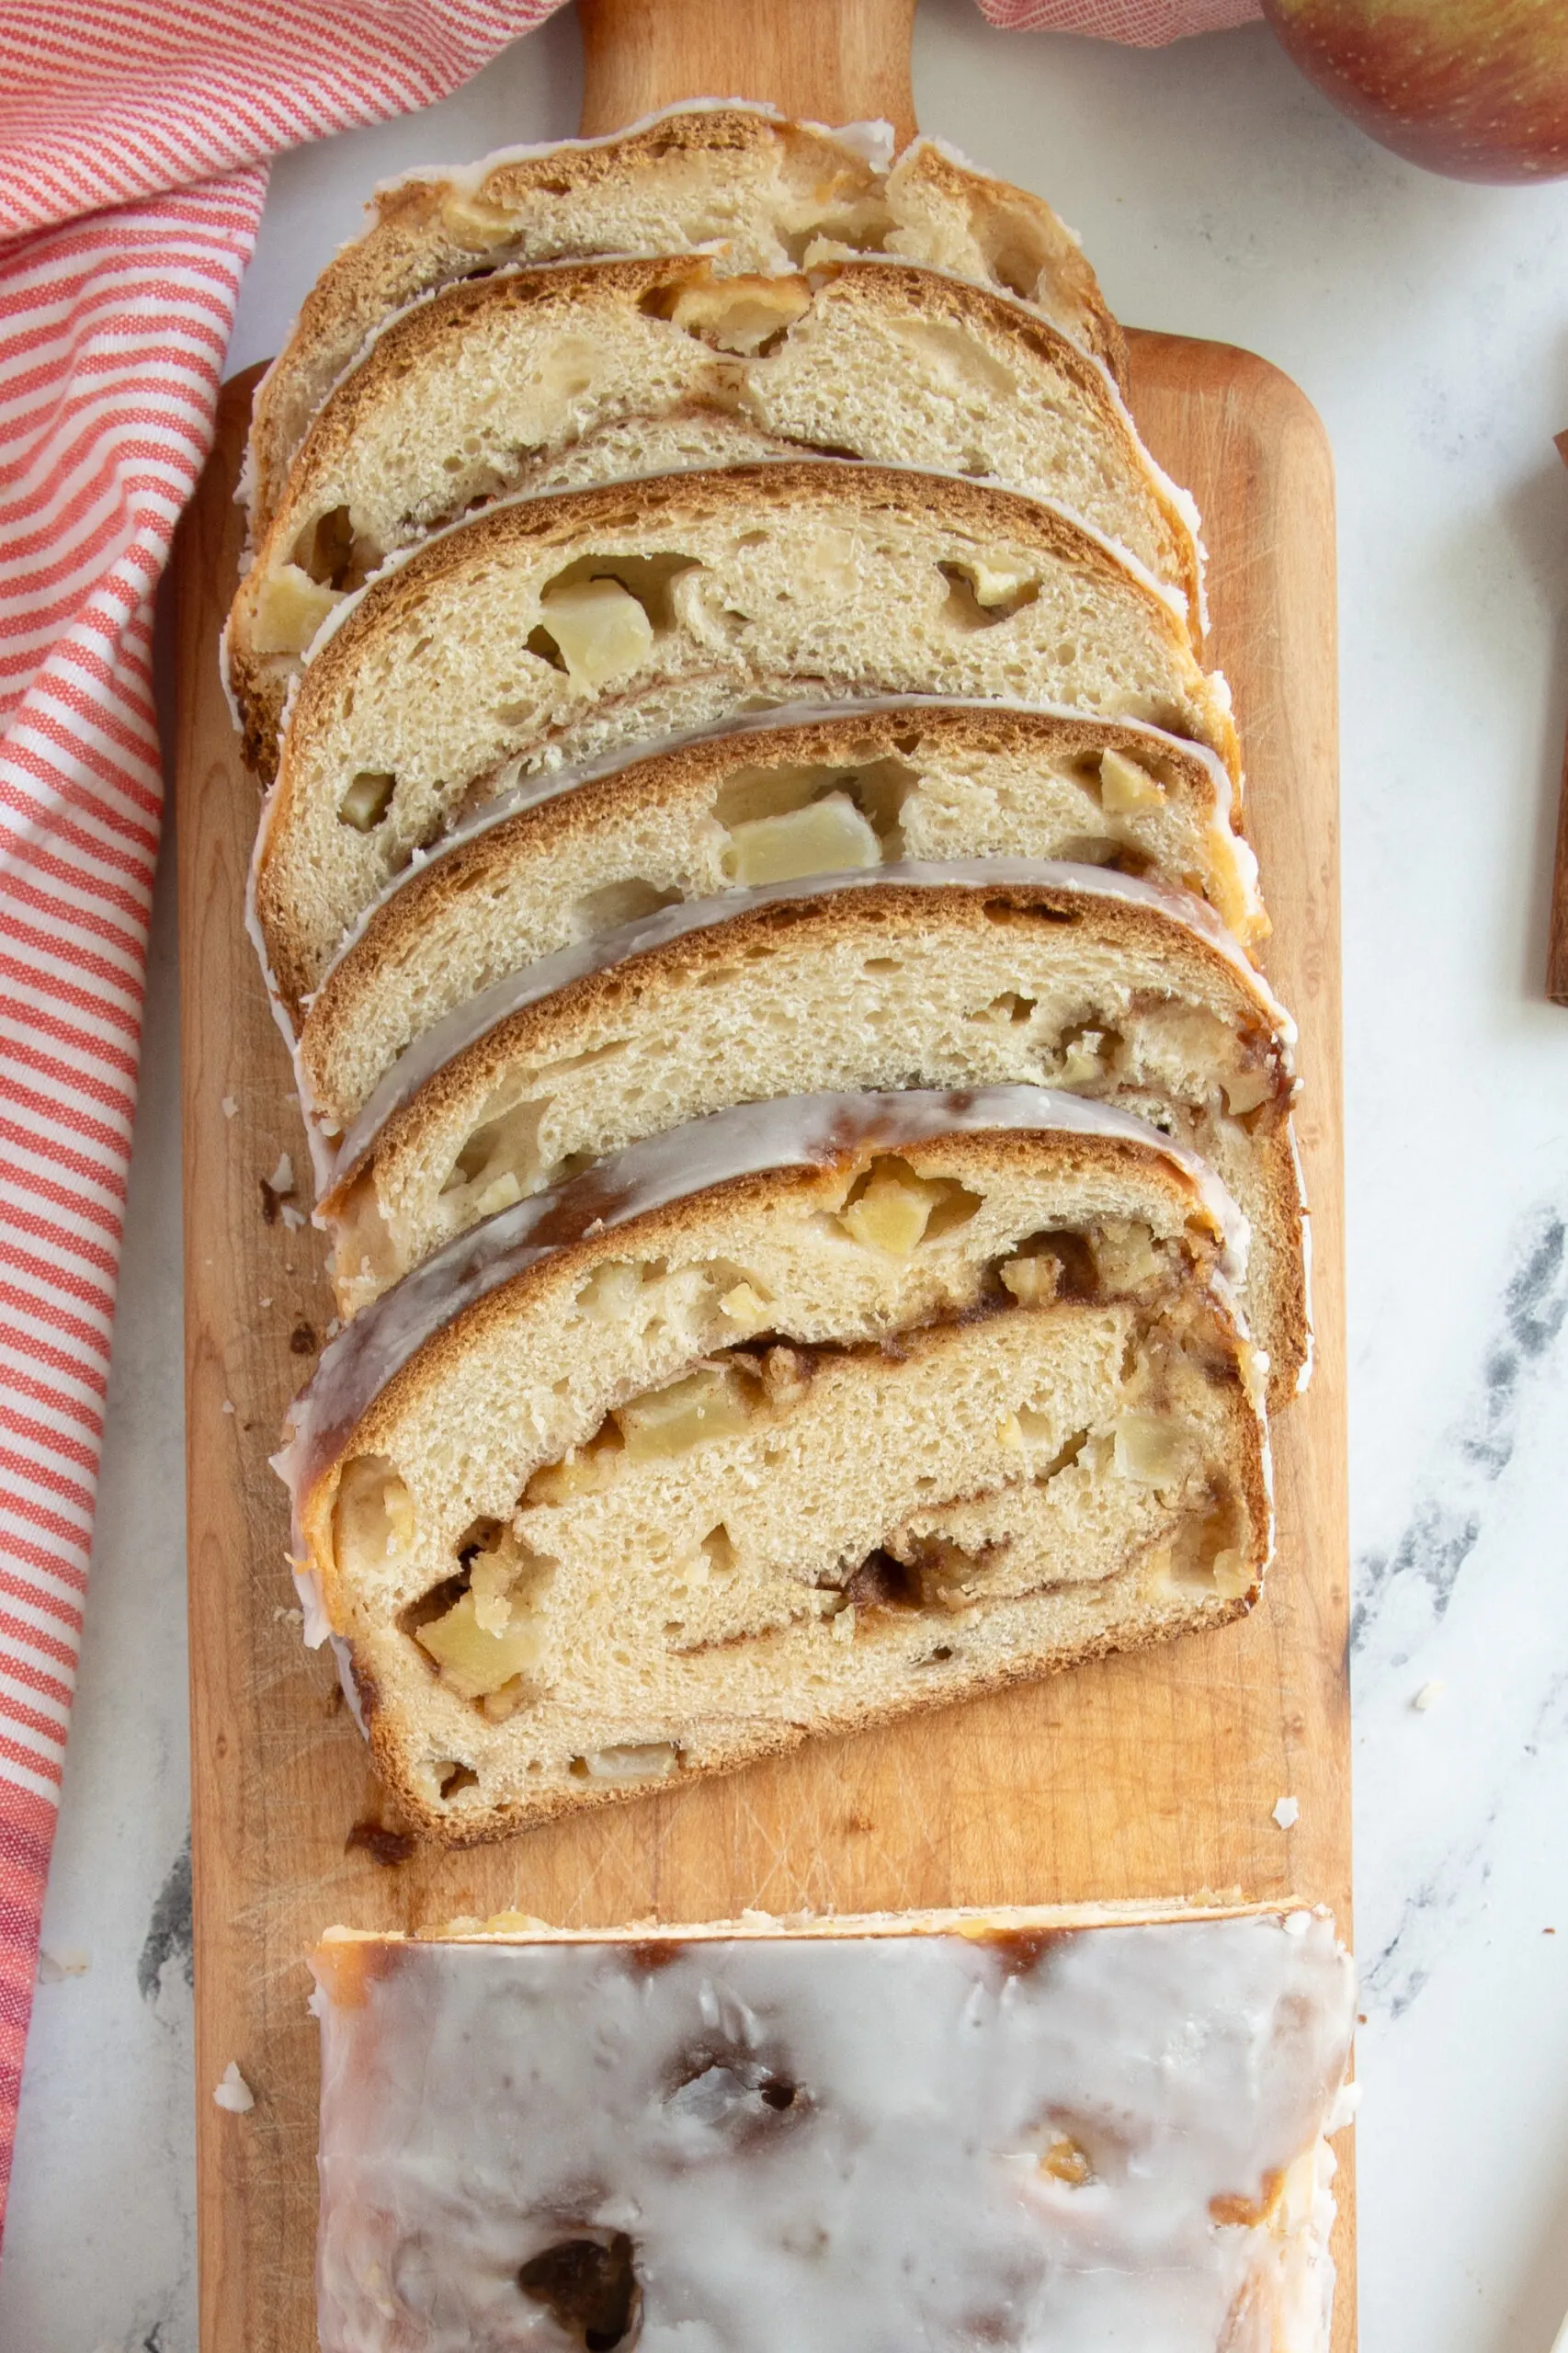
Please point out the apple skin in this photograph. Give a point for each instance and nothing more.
(1477, 89)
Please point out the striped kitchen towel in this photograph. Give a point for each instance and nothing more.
(134, 136)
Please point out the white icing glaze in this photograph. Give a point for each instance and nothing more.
(790, 1132)
(459, 1029)
(833, 2141)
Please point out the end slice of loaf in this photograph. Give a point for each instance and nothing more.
(930, 976)
(779, 1424)
(507, 383)
(550, 629)
(764, 194)
(842, 2132)
(571, 856)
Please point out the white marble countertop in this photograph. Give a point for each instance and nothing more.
(1217, 194)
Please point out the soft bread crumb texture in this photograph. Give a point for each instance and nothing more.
(765, 195)
(844, 790)
(755, 585)
(616, 1489)
(945, 986)
(546, 379)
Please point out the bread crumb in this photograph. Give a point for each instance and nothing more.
(282, 1177)
(234, 2093)
(1428, 1694)
(292, 1219)
(334, 1328)
(229, 1106)
(1287, 1813)
(264, 1302)
(228, 1405)
(281, 1617)
(67, 1962)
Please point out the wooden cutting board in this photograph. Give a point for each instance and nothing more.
(1151, 1776)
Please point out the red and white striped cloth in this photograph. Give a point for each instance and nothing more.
(134, 136)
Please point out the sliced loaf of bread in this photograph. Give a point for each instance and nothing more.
(548, 630)
(764, 193)
(930, 976)
(572, 1496)
(573, 854)
(1081, 2128)
(543, 378)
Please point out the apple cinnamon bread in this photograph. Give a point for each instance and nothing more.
(550, 379)
(926, 975)
(572, 855)
(762, 193)
(572, 1498)
(559, 629)
(1080, 2127)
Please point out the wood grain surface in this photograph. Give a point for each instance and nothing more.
(1153, 1776)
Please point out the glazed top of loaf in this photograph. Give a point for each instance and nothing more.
(974, 2133)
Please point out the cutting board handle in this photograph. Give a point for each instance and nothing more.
(835, 60)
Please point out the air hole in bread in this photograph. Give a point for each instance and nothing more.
(981, 592)
(1073, 1274)
(613, 1288)
(325, 547)
(614, 903)
(748, 316)
(1204, 1551)
(1007, 1011)
(879, 1582)
(501, 1160)
(452, 1779)
(1087, 1056)
(647, 1760)
(1015, 262)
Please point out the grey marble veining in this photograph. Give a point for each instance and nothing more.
(1218, 195)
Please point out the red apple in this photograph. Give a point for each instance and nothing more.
(1475, 88)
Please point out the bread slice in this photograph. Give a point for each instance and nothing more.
(571, 856)
(1076, 2126)
(764, 193)
(551, 629)
(573, 1498)
(937, 976)
(543, 378)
